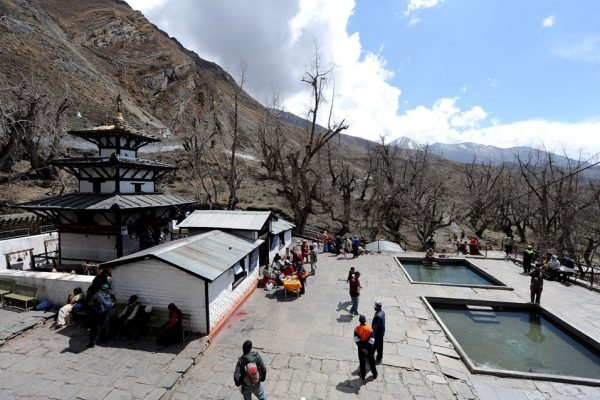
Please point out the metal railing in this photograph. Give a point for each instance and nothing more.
(15, 233)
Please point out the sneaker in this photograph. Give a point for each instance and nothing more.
(91, 344)
(375, 376)
(377, 362)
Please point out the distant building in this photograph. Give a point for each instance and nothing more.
(117, 210)
(207, 275)
(276, 232)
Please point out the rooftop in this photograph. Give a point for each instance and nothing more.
(90, 201)
(227, 219)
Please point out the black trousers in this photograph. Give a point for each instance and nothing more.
(378, 348)
(98, 320)
(536, 293)
(362, 358)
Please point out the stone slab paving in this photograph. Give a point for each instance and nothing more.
(308, 348)
(14, 322)
(306, 343)
(46, 364)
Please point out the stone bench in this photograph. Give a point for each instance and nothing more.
(6, 287)
(23, 293)
(160, 317)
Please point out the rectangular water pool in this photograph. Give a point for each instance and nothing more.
(520, 340)
(448, 272)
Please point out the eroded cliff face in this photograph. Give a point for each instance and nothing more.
(92, 50)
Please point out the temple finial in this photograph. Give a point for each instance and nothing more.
(119, 113)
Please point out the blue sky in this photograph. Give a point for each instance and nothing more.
(493, 53)
(496, 72)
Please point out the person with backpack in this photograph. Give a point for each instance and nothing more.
(250, 371)
(102, 303)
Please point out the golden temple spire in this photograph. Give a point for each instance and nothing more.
(119, 113)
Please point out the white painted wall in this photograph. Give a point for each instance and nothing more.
(105, 187)
(54, 286)
(36, 242)
(127, 187)
(223, 299)
(158, 284)
(88, 247)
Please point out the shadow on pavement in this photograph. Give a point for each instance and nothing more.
(350, 385)
(279, 295)
(78, 340)
(343, 306)
(343, 318)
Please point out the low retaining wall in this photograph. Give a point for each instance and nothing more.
(54, 286)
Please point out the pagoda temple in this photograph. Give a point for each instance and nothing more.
(116, 210)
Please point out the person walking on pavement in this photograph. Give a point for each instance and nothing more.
(250, 371)
(378, 326)
(355, 287)
(312, 256)
(363, 337)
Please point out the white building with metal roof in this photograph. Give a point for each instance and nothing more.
(206, 275)
(276, 232)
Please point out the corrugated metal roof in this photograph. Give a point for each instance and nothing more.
(89, 201)
(118, 127)
(112, 160)
(281, 225)
(207, 255)
(227, 219)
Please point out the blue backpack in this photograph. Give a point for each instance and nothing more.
(105, 303)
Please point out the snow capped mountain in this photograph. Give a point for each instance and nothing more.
(467, 152)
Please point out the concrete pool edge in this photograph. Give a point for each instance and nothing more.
(498, 285)
(474, 369)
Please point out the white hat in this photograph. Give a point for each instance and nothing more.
(148, 309)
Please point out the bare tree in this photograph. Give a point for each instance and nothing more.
(30, 126)
(481, 182)
(295, 173)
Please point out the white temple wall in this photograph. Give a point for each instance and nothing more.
(87, 247)
(54, 286)
(128, 187)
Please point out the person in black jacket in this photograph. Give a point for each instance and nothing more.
(243, 376)
(378, 326)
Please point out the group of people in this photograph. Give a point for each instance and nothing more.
(105, 321)
(342, 245)
(250, 370)
(550, 267)
(273, 275)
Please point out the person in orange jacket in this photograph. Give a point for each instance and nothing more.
(364, 339)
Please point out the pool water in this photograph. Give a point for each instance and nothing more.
(455, 273)
(519, 340)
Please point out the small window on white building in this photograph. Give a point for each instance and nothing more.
(137, 187)
(239, 273)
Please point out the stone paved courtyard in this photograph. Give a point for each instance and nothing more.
(306, 343)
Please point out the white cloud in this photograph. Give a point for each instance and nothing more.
(414, 5)
(276, 41)
(587, 50)
(549, 21)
